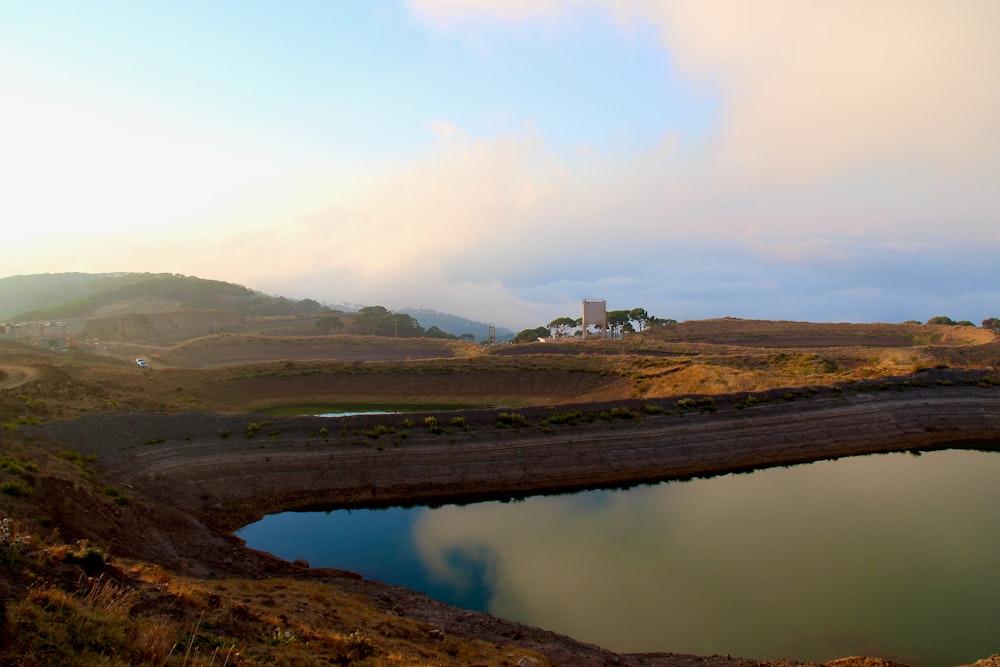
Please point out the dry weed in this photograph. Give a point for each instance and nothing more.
(112, 599)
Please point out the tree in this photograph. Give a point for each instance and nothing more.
(531, 335)
(370, 320)
(561, 326)
(991, 323)
(404, 326)
(640, 317)
(941, 319)
(617, 319)
(379, 321)
(311, 306)
(435, 332)
(329, 323)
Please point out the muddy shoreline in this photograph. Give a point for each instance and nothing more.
(198, 477)
(230, 470)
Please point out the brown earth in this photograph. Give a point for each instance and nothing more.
(198, 484)
(175, 438)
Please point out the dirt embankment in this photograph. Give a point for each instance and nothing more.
(196, 477)
(231, 470)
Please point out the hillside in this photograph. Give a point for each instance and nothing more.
(101, 310)
(456, 325)
(110, 469)
(79, 295)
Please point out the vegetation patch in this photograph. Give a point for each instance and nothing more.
(511, 420)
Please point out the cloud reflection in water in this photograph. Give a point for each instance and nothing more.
(872, 555)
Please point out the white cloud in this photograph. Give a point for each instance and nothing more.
(808, 89)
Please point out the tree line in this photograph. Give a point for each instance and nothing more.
(619, 323)
(380, 321)
(988, 323)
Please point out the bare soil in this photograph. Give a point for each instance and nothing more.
(178, 439)
(205, 475)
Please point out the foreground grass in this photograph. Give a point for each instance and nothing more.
(86, 609)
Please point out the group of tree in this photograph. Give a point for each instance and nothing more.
(988, 323)
(619, 323)
(380, 321)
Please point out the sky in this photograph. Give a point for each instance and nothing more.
(832, 160)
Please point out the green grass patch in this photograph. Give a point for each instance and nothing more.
(17, 488)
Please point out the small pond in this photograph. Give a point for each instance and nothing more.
(891, 555)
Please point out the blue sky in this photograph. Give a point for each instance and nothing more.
(826, 161)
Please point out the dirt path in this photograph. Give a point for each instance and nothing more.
(12, 377)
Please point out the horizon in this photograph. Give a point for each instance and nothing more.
(503, 162)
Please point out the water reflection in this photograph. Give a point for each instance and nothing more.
(886, 555)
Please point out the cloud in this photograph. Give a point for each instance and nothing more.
(847, 168)
(446, 14)
(808, 89)
(670, 575)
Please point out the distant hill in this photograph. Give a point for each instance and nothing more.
(166, 307)
(21, 294)
(80, 295)
(455, 325)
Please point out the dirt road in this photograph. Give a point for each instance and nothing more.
(12, 377)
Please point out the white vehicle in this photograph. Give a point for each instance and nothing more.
(141, 363)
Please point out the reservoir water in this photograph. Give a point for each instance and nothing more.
(896, 556)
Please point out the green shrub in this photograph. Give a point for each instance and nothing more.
(570, 418)
(511, 420)
(358, 645)
(747, 402)
(707, 404)
(16, 466)
(70, 455)
(379, 429)
(17, 488)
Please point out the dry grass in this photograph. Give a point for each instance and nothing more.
(141, 614)
(702, 356)
(146, 615)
